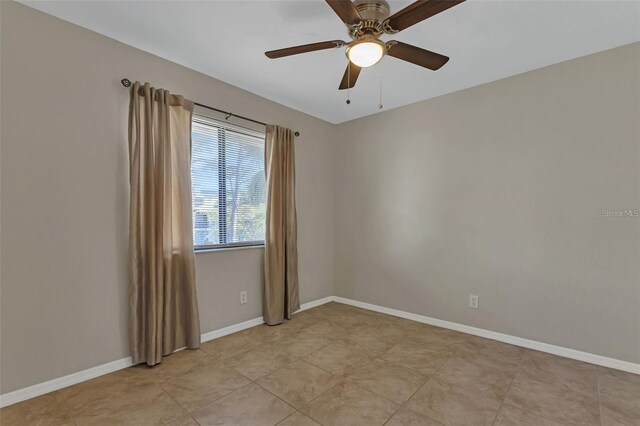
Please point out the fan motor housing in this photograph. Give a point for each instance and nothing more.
(373, 13)
(372, 10)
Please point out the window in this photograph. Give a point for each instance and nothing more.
(228, 185)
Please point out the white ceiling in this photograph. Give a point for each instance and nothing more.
(486, 40)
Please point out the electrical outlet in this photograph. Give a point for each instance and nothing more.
(473, 301)
(243, 297)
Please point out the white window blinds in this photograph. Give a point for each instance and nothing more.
(228, 186)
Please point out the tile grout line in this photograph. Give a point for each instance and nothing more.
(291, 415)
(287, 365)
(177, 403)
(342, 379)
(252, 381)
(64, 401)
(599, 397)
(295, 409)
(544, 416)
(311, 400)
(189, 413)
(403, 405)
(506, 394)
(425, 384)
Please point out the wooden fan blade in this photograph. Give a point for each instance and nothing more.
(345, 11)
(416, 55)
(417, 12)
(295, 50)
(350, 77)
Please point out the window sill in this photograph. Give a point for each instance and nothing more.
(218, 249)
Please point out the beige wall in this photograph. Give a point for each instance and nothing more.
(65, 198)
(498, 191)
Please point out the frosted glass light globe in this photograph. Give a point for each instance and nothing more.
(366, 53)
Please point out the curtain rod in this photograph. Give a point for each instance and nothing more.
(127, 83)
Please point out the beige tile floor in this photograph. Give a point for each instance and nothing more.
(339, 365)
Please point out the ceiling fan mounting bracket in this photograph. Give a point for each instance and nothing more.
(373, 14)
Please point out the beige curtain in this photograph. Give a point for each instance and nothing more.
(164, 309)
(281, 297)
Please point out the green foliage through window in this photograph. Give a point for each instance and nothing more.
(228, 184)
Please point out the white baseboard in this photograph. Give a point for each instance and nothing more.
(257, 321)
(91, 373)
(230, 329)
(315, 303)
(62, 382)
(506, 338)
(23, 394)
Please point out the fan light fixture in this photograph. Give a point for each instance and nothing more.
(366, 53)
(366, 21)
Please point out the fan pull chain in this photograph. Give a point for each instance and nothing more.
(348, 82)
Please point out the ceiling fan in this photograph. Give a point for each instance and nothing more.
(366, 21)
